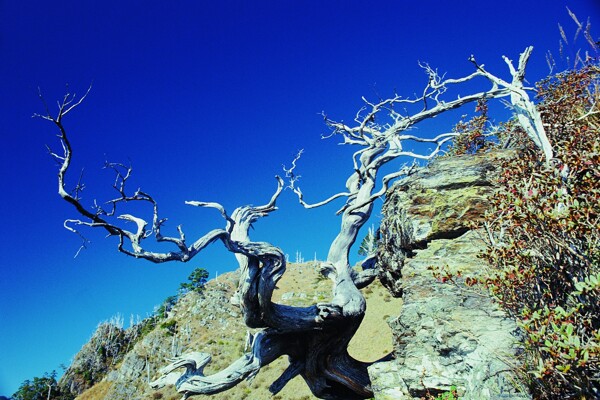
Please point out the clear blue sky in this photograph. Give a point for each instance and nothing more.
(207, 100)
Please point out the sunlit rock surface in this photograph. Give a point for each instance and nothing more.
(447, 334)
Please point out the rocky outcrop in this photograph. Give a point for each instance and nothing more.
(187, 326)
(109, 343)
(448, 333)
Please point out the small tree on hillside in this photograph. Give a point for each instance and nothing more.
(41, 388)
(314, 338)
(197, 280)
(166, 306)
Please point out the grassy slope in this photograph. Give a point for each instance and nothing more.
(299, 286)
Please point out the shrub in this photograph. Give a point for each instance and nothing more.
(167, 305)
(546, 242)
(473, 134)
(368, 246)
(42, 388)
(170, 326)
(145, 327)
(452, 394)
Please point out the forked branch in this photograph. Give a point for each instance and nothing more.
(105, 216)
(380, 127)
(315, 338)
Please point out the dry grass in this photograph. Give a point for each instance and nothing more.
(372, 341)
(96, 392)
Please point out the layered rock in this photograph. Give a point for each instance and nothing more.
(447, 334)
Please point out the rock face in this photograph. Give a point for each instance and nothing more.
(210, 323)
(447, 333)
(106, 348)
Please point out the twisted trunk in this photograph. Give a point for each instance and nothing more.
(315, 338)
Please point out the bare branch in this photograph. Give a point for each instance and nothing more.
(218, 206)
(293, 178)
(289, 172)
(315, 338)
(527, 114)
(385, 182)
(96, 218)
(69, 105)
(321, 203)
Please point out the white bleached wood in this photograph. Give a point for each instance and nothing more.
(527, 114)
(314, 338)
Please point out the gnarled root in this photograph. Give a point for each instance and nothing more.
(312, 354)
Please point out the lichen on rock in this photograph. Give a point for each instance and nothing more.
(448, 333)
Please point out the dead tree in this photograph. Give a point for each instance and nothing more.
(314, 338)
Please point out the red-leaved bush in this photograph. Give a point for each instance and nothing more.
(544, 230)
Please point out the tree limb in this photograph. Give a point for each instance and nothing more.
(315, 338)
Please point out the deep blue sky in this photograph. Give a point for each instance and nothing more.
(207, 100)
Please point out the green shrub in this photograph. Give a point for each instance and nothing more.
(368, 246)
(42, 388)
(166, 306)
(452, 394)
(145, 327)
(197, 281)
(170, 326)
(473, 134)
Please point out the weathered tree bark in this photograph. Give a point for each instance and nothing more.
(314, 338)
(527, 114)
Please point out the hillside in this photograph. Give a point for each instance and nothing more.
(209, 323)
(443, 334)
(494, 253)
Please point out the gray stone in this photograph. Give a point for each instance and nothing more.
(287, 296)
(386, 382)
(447, 334)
